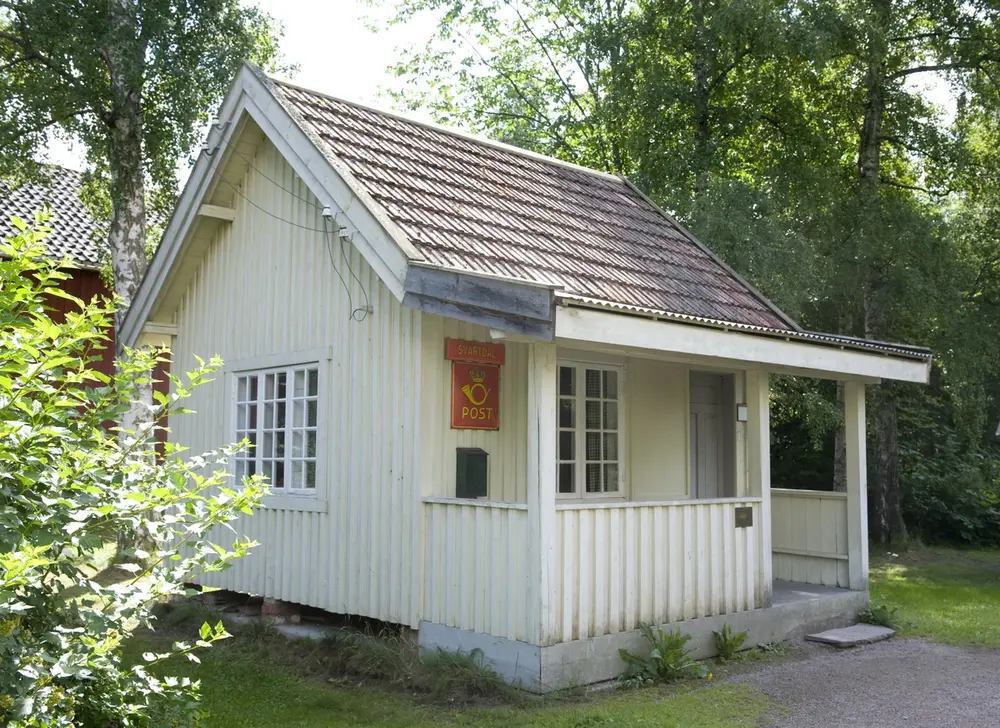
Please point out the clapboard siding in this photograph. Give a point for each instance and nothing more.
(809, 536)
(507, 447)
(476, 566)
(625, 564)
(266, 287)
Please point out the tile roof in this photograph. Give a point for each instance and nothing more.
(74, 232)
(479, 206)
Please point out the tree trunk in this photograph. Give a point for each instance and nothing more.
(125, 58)
(702, 91)
(886, 521)
(840, 447)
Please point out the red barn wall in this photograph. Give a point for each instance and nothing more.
(86, 285)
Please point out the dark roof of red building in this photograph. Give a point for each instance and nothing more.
(474, 205)
(74, 235)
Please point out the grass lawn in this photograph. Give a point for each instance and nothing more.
(945, 595)
(242, 687)
(260, 679)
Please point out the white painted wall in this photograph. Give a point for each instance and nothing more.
(267, 287)
(621, 565)
(507, 447)
(476, 568)
(809, 539)
(657, 404)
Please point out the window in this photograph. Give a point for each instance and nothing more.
(277, 410)
(589, 431)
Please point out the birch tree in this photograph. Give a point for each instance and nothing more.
(134, 82)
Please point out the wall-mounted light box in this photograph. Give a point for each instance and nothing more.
(741, 412)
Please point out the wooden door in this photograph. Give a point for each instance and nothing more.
(707, 436)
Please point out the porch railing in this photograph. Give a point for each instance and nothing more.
(474, 566)
(620, 564)
(809, 536)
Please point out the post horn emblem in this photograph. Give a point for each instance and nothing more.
(477, 391)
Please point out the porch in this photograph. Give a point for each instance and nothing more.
(660, 512)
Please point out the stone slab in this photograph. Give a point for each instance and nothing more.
(856, 634)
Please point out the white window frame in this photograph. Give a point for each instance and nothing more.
(311, 499)
(580, 445)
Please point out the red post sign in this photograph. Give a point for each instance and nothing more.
(475, 396)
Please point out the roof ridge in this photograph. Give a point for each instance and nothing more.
(457, 133)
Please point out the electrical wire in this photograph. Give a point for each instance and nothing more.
(271, 214)
(357, 314)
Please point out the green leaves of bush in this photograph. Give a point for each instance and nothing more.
(69, 484)
(728, 643)
(668, 658)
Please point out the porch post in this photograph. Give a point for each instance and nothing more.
(759, 480)
(857, 486)
(541, 488)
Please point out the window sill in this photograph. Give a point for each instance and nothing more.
(295, 503)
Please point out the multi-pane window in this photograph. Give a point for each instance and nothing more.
(589, 432)
(277, 410)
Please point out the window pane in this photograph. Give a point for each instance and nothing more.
(610, 415)
(567, 443)
(610, 384)
(311, 474)
(267, 447)
(313, 382)
(300, 383)
(313, 407)
(241, 389)
(593, 415)
(567, 380)
(252, 411)
(593, 446)
(241, 417)
(611, 477)
(279, 444)
(252, 437)
(297, 474)
(269, 386)
(311, 444)
(280, 422)
(253, 388)
(611, 446)
(251, 467)
(567, 478)
(279, 474)
(241, 470)
(593, 478)
(297, 444)
(281, 385)
(298, 413)
(567, 413)
(593, 383)
(269, 415)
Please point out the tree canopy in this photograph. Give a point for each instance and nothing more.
(800, 142)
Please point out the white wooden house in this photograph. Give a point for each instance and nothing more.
(502, 399)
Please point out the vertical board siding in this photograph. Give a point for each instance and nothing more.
(507, 447)
(622, 565)
(267, 287)
(475, 567)
(809, 536)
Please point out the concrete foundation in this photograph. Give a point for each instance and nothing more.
(796, 610)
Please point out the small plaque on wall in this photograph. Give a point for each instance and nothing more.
(744, 516)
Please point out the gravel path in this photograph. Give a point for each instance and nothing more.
(908, 683)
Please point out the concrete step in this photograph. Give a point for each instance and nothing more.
(856, 634)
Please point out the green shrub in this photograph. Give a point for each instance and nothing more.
(68, 484)
(883, 615)
(729, 643)
(667, 660)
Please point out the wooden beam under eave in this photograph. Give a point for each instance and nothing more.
(218, 212)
